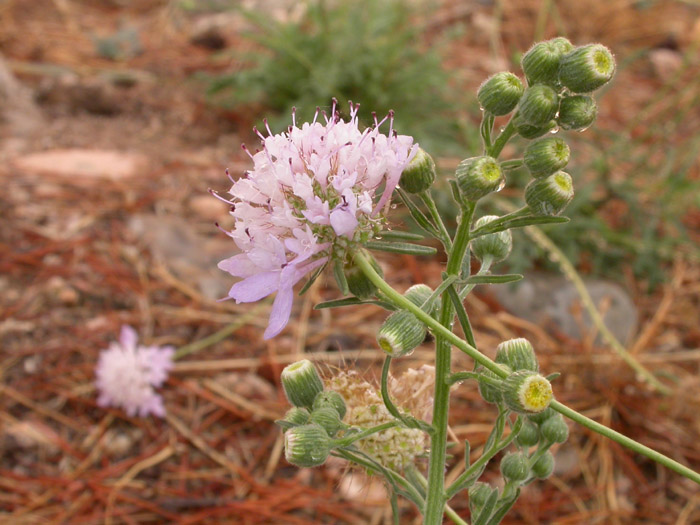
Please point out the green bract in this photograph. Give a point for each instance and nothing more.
(301, 383)
(479, 176)
(550, 195)
(587, 68)
(495, 246)
(307, 445)
(500, 93)
(518, 354)
(546, 156)
(401, 333)
(538, 105)
(419, 175)
(577, 112)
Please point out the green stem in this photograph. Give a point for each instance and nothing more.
(449, 511)
(502, 139)
(408, 421)
(626, 442)
(443, 332)
(435, 500)
(344, 442)
(444, 235)
(476, 468)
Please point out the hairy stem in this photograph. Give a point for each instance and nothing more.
(465, 347)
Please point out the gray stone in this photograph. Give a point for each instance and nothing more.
(188, 254)
(552, 302)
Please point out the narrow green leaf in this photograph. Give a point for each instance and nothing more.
(493, 279)
(339, 273)
(401, 247)
(312, 279)
(520, 222)
(394, 235)
(418, 216)
(487, 509)
(351, 301)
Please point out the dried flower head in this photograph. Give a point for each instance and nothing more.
(309, 197)
(412, 392)
(127, 373)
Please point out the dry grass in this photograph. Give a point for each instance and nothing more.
(72, 272)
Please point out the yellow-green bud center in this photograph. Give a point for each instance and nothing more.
(535, 393)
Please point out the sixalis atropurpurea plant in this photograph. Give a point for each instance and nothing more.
(318, 196)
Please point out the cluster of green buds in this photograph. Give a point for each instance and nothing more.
(315, 418)
(560, 80)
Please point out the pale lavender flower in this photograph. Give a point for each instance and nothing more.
(309, 197)
(127, 373)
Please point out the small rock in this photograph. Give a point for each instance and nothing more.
(665, 62)
(552, 301)
(84, 164)
(190, 255)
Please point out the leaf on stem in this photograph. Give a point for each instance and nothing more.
(493, 279)
(351, 301)
(401, 247)
(520, 222)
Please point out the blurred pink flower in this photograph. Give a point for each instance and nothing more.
(310, 196)
(127, 373)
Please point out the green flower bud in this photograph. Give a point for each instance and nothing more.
(328, 418)
(538, 105)
(358, 283)
(541, 63)
(419, 175)
(544, 466)
(528, 131)
(546, 156)
(527, 392)
(418, 294)
(401, 333)
(294, 417)
(577, 112)
(479, 494)
(587, 68)
(479, 176)
(542, 416)
(301, 383)
(491, 393)
(515, 466)
(529, 434)
(550, 195)
(554, 429)
(518, 354)
(495, 246)
(564, 45)
(499, 94)
(332, 399)
(307, 445)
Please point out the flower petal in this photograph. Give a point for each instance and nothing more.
(255, 287)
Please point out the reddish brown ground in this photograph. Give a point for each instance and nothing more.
(74, 267)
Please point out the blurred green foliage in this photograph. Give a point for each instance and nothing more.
(370, 52)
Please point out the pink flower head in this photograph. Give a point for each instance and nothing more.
(310, 195)
(127, 373)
